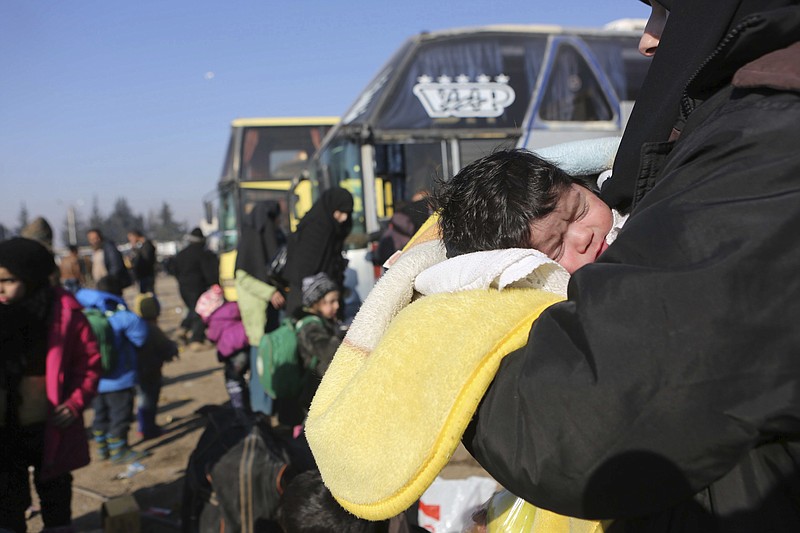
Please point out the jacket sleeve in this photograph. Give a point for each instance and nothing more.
(134, 328)
(316, 341)
(148, 254)
(113, 258)
(675, 355)
(83, 370)
(254, 286)
(214, 328)
(166, 348)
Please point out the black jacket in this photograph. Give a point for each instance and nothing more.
(197, 269)
(144, 260)
(665, 393)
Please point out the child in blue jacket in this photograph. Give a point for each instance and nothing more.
(113, 406)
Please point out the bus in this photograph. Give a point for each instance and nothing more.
(266, 159)
(446, 98)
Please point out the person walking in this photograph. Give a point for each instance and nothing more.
(196, 269)
(143, 261)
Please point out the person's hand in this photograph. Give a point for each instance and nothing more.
(63, 416)
(277, 300)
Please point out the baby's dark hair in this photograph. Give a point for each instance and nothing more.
(491, 203)
(307, 506)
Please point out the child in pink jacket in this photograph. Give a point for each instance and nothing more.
(224, 327)
(49, 370)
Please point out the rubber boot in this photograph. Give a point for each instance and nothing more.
(102, 444)
(120, 452)
(148, 429)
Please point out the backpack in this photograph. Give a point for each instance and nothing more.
(236, 472)
(98, 321)
(280, 369)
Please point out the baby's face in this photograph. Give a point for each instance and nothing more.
(574, 234)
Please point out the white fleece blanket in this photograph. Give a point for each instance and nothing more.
(494, 269)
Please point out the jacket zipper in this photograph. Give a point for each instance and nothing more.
(687, 103)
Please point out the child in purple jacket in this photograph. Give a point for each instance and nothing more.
(224, 327)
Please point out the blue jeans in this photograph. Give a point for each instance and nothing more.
(260, 402)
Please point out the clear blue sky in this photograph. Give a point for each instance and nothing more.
(134, 99)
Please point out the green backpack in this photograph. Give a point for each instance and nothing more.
(98, 320)
(280, 368)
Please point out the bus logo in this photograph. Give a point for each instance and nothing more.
(462, 98)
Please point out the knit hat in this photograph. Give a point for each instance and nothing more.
(147, 306)
(196, 235)
(27, 259)
(39, 230)
(316, 287)
(209, 301)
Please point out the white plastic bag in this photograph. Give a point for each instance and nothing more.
(447, 505)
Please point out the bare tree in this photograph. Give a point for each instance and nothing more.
(22, 218)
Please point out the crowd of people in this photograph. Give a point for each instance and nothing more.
(109, 351)
(659, 395)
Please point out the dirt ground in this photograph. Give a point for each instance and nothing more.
(191, 382)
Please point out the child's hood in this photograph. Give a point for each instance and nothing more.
(105, 301)
(229, 311)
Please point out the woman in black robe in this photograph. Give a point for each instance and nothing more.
(317, 244)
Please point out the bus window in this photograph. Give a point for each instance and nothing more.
(620, 60)
(251, 196)
(472, 149)
(342, 167)
(287, 164)
(390, 175)
(277, 153)
(636, 66)
(255, 156)
(423, 165)
(573, 92)
(227, 167)
(403, 170)
(227, 219)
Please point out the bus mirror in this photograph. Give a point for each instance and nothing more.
(209, 212)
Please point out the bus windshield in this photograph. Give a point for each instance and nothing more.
(266, 160)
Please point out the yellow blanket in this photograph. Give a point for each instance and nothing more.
(393, 405)
(383, 425)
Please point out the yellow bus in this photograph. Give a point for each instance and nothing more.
(267, 159)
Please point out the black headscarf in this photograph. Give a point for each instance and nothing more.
(24, 324)
(319, 239)
(692, 33)
(259, 239)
